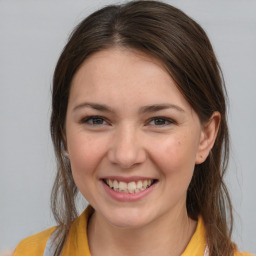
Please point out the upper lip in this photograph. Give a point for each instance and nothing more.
(127, 179)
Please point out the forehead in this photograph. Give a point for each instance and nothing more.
(119, 62)
(129, 75)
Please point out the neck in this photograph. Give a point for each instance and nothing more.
(169, 235)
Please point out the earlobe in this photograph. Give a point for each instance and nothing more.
(208, 136)
(65, 154)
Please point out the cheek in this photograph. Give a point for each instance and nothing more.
(175, 155)
(85, 153)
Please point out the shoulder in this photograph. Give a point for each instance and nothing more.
(243, 254)
(34, 245)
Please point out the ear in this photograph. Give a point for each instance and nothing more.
(208, 135)
(64, 141)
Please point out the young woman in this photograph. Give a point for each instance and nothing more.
(139, 128)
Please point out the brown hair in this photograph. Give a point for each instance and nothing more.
(165, 33)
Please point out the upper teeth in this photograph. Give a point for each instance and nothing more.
(130, 187)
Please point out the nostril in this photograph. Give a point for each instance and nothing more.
(126, 158)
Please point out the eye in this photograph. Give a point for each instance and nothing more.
(94, 120)
(160, 121)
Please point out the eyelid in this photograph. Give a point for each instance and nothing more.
(169, 120)
(86, 119)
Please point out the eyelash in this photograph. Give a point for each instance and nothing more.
(87, 120)
(164, 119)
(91, 119)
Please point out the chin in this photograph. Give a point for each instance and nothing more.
(128, 223)
(128, 219)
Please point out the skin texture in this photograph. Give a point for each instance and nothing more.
(125, 141)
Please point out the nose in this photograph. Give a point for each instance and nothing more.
(126, 149)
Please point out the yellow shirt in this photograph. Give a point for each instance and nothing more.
(35, 245)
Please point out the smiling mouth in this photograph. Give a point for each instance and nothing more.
(129, 187)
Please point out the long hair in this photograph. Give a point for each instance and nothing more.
(169, 35)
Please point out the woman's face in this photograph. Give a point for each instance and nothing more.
(132, 138)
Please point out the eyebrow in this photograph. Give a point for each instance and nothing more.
(158, 107)
(142, 110)
(100, 107)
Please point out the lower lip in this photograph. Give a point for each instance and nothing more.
(127, 197)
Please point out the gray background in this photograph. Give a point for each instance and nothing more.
(32, 34)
